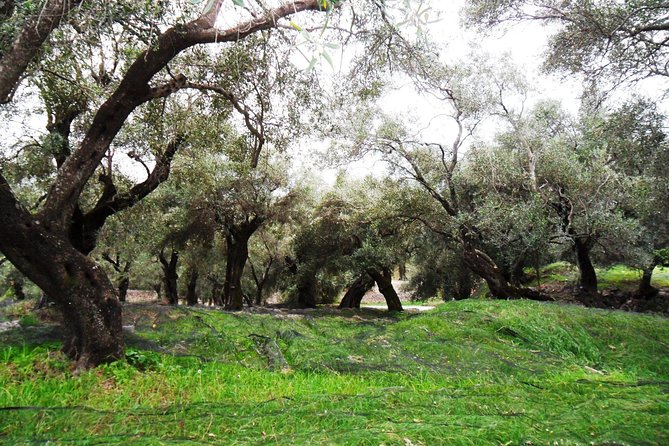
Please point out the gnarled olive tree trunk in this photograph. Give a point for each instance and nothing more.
(79, 287)
(356, 291)
(587, 277)
(237, 243)
(191, 289)
(170, 276)
(483, 266)
(383, 278)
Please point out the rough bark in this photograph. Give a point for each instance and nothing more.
(80, 289)
(483, 266)
(587, 277)
(646, 289)
(402, 271)
(356, 291)
(383, 278)
(237, 243)
(170, 276)
(27, 43)
(41, 246)
(463, 284)
(191, 289)
(260, 280)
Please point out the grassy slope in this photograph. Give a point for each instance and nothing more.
(617, 276)
(471, 373)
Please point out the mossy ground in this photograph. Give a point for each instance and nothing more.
(472, 373)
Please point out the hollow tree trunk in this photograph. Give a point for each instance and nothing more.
(356, 291)
(191, 290)
(587, 277)
(645, 288)
(170, 276)
(483, 266)
(383, 279)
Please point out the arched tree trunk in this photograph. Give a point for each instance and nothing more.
(170, 276)
(383, 279)
(587, 277)
(356, 291)
(191, 290)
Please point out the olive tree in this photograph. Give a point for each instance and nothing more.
(38, 242)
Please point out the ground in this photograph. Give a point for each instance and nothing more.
(473, 373)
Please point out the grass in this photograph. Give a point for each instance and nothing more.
(470, 373)
(615, 277)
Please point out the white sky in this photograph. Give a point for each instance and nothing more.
(524, 44)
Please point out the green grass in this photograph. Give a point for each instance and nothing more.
(614, 277)
(468, 373)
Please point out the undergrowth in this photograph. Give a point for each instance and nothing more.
(471, 373)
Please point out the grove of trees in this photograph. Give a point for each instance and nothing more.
(173, 137)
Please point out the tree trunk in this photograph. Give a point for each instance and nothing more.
(237, 254)
(79, 287)
(483, 266)
(518, 275)
(464, 284)
(587, 279)
(261, 280)
(170, 276)
(647, 290)
(402, 271)
(356, 291)
(17, 289)
(306, 285)
(123, 286)
(383, 279)
(191, 290)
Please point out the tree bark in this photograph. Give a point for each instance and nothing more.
(17, 289)
(123, 285)
(383, 279)
(79, 287)
(191, 290)
(587, 278)
(646, 289)
(464, 284)
(306, 285)
(483, 266)
(402, 271)
(237, 243)
(261, 280)
(170, 276)
(356, 291)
